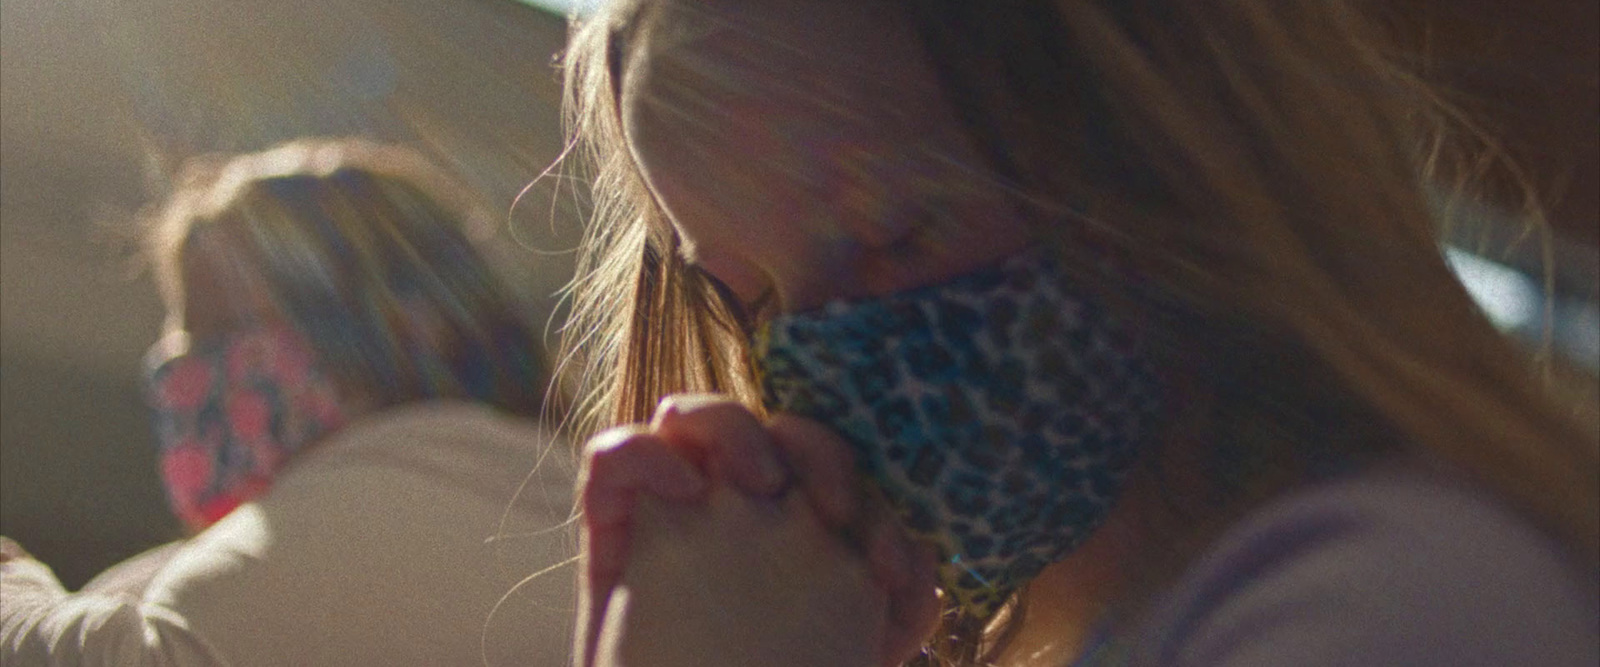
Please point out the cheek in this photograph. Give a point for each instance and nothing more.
(740, 192)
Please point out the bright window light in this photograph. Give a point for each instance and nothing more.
(565, 7)
(1510, 299)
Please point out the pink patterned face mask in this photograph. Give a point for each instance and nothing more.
(230, 414)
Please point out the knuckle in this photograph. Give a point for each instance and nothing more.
(611, 438)
(694, 409)
(618, 444)
(678, 406)
(603, 467)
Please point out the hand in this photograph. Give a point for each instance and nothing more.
(906, 568)
(618, 465)
(10, 550)
(742, 581)
(691, 434)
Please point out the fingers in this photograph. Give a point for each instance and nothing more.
(618, 464)
(914, 608)
(608, 637)
(888, 551)
(592, 604)
(736, 445)
(824, 465)
(694, 439)
(903, 570)
(622, 461)
(760, 458)
(906, 569)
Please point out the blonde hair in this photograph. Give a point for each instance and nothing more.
(366, 249)
(1263, 166)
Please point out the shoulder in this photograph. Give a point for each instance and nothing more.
(406, 536)
(1390, 566)
(443, 422)
(458, 445)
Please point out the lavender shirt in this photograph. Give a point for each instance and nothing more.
(1388, 567)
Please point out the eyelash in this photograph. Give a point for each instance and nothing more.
(746, 316)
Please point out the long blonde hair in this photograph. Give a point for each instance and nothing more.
(1264, 166)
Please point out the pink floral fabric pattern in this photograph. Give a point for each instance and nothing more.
(230, 415)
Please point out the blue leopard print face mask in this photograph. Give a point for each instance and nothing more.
(998, 412)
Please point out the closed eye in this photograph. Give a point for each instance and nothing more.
(747, 316)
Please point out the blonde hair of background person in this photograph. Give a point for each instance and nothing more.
(1263, 167)
(391, 222)
(396, 535)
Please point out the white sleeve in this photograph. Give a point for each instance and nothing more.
(41, 624)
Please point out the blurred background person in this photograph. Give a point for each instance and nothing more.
(346, 401)
(100, 102)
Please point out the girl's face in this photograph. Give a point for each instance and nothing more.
(804, 150)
